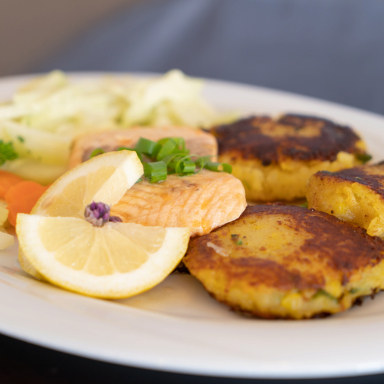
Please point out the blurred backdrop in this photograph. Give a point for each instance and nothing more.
(33, 30)
(323, 48)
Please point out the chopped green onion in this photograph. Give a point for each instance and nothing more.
(201, 161)
(363, 157)
(236, 239)
(156, 171)
(96, 152)
(215, 167)
(167, 148)
(187, 166)
(321, 292)
(21, 139)
(169, 160)
(169, 156)
(180, 142)
(178, 164)
(145, 146)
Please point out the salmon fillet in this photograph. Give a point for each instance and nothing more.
(202, 202)
(197, 141)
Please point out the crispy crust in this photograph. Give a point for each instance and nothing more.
(371, 176)
(318, 253)
(341, 245)
(294, 137)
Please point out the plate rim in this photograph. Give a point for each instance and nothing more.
(12, 329)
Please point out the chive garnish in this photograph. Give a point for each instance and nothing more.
(187, 166)
(169, 156)
(156, 171)
(363, 157)
(167, 148)
(96, 152)
(236, 239)
(322, 292)
(216, 167)
(145, 146)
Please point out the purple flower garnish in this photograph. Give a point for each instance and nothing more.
(98, 214)
(115, 219)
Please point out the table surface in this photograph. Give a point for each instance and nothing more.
(22, 362)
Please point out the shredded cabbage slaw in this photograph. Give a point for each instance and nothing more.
(46, 114)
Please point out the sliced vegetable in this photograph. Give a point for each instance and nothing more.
(217, 167)
(22, 197)
(146, 147)
(46, 147)
(168, 146)
(168, 156)
(34, 170)
(156, 171)
(8, 180)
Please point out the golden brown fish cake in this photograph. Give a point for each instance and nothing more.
(280, 261)
(274, 158)
(355, 195)
(197, 141)
(202, 202)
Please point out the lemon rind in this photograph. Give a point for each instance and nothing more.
(119, 285)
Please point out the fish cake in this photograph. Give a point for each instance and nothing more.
(355, 195)
(197, 141)
(281, 261)
(274, 158)
(202, 202)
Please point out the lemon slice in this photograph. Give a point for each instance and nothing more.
(103, 178)
(114, 261)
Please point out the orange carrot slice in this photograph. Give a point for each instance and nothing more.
(8, 180)
(22, 197)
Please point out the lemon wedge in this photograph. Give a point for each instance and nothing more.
(116, 260)
(103, 178)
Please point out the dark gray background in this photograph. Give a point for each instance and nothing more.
(331, 49)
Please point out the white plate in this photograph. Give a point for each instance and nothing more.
(177, 326)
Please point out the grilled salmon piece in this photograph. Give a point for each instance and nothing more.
(280, 261)
(355, 195)
(202, 202)
(275, 157)
(197, 141)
